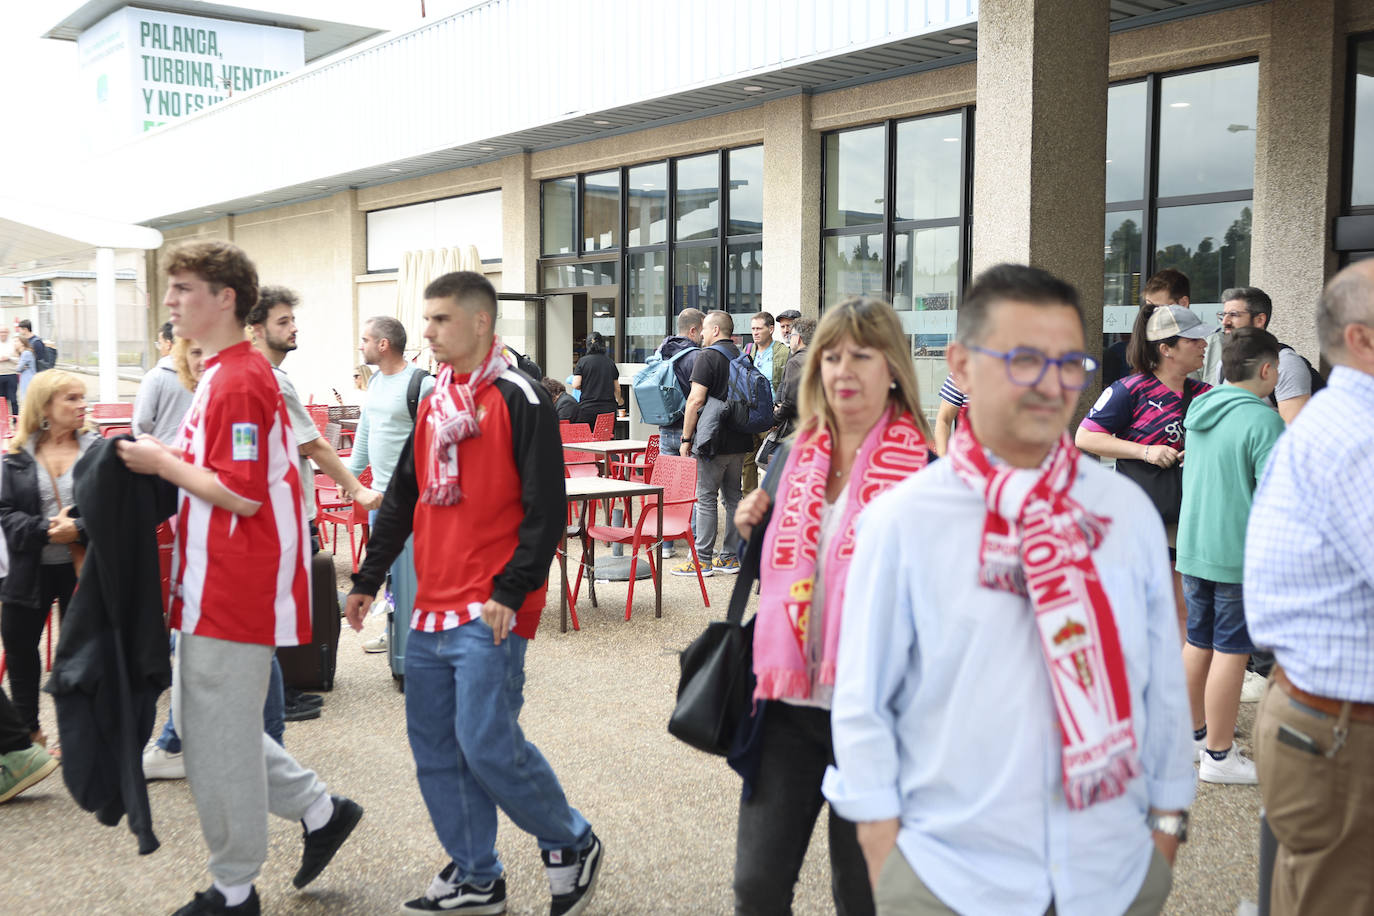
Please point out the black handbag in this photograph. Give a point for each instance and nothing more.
(1164, 486)
(716, 685)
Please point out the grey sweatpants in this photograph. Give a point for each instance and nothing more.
(237, 773)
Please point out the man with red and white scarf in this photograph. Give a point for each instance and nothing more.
(1010, 720)
(480, 483)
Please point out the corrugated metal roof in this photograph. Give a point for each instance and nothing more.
(511, 75)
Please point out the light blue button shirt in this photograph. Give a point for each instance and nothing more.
(763, 359)
(1309, 546)
(943, 713)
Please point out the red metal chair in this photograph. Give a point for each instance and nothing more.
(604, 430)
(678, 477)
(575, 463)
(346, 512)
(116, 410)
(109, 432)
(320, 414)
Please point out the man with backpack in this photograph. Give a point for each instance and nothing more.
(1251, 307)
(687, 341)
(720, 455)
(387, 417)
(44, 356)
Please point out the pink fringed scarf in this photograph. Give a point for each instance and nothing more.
(1037, 542)
(893, 450)
(453, 418)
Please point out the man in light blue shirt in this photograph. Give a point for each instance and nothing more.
(387, 418)
(1309, 596)
(949, 725)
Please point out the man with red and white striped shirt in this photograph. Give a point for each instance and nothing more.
(480, 483)
(241, 584)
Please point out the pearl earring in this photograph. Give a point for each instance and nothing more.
(893, 386)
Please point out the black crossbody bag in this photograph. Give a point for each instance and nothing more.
(1164, 486)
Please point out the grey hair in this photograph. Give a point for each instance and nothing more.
(1348, 299)
(389, 329)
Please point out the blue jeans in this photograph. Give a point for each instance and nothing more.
(463, 699)
(273, 712)
(1216, 616)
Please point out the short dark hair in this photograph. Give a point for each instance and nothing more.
(764, 316)
(25, 324)
(689, 319)
(1171, 281)
(219, 264)
(269, 297)
(1142, 354)
(167, 332)
(389, 329)
(1011, 283)
(553, 386)
(1246, 349)
(465, 286)
(805, 328)
(1257, 301)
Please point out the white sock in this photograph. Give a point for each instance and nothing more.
(234, 894)
(319, 812)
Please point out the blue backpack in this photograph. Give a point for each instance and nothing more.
(661, 401)
(749, 397)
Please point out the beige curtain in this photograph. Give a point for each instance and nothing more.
(418, 268)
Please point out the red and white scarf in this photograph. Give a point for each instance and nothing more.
(892, 451)
(453, 418)
(1038, 542)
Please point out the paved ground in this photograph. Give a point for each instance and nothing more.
(596, 703)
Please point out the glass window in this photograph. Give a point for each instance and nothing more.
(1208, 242)
(697, 197)
(1121, 265)
(926, 286)
(694, 278)
(573, 276)
(1362, 153)
(601, 211)
(473, 219)
(1126, 106)
(854, 177)
(744, 280)
(929, 153)
(644, 303)
(853, 267)
(646, 210)
(746, 191)
(560, 199)
(1207, 130)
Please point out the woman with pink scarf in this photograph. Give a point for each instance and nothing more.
(860, 431)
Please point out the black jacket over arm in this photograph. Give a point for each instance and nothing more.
(112, 658)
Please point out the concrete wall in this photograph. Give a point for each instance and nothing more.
(318, 247)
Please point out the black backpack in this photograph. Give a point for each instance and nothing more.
(417, 378)
(1318, 383)
(526, 365)
(44, 354)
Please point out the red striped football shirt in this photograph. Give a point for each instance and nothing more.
(242, 578)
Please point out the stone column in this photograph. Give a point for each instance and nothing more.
(1297, 164)
(1040, 142)
(519, 226)
(791, 207)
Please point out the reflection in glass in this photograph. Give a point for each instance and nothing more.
(744, 280)
(644, 304)
(1208, 242)
(1121, 267)
(646, 210)
(1362, 158)
(853, 267)
(1126, 142)
(601, 210)
(573, 276)
(929, 151)
(746, 190)
(559, 197)
(603, 321)
(697, 197)
(1207, 130)
(926, 286)
(694, 278)
(854, 167)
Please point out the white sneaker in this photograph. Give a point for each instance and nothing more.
(1253, 688)
(1234, 769)
(373, 646)
(162, 764)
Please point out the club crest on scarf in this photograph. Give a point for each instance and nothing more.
(1038, 543)
(454, 416)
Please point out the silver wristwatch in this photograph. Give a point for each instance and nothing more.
(1174, 825)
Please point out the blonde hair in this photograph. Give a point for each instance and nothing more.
(181, 358)
(868, 322)
(42, 389)
(364, 375)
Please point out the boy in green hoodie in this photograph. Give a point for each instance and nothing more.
(1230, 432)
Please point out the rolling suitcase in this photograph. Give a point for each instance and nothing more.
(402, 593)
(311, 667)
(396, 634)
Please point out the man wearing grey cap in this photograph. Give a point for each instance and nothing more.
(785, 319)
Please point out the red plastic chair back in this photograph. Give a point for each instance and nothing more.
(112, 411)
(678, 478)
(605, 427)
(320, 414)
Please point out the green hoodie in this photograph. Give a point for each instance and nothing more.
(1230, 433)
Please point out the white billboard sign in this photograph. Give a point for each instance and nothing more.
(142, 68)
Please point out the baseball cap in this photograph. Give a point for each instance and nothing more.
(1175, 321)
(789, 315)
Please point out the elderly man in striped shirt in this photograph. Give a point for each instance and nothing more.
(1309, 588)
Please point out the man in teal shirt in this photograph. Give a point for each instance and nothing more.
(770, 356)
(1231, 430)
(383, 428)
